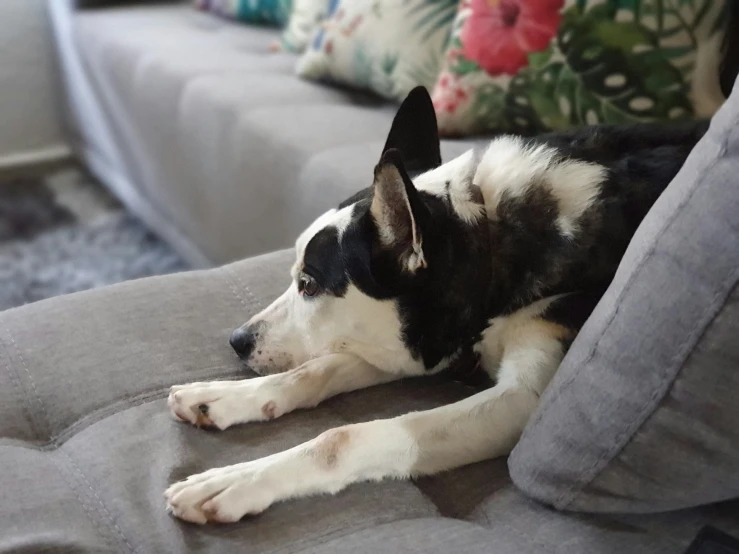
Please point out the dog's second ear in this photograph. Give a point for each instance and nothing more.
(399, 212)
(415, 133)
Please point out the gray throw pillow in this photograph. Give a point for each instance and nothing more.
(643, 414)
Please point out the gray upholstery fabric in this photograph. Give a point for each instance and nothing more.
(420, 536)
(218, 140)
(87, 445)
(642, 415)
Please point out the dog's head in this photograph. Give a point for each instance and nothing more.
(396, 275)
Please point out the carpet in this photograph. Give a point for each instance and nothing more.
(62, 233)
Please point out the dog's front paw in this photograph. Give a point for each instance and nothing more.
(222, 495)
(221, 404)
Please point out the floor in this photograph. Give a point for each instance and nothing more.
(61, 232)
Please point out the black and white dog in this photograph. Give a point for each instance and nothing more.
(501, 253)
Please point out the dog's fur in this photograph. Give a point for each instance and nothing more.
(500, 255)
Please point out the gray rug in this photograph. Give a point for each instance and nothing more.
(62, 233)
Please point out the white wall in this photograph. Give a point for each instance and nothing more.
(30, 94)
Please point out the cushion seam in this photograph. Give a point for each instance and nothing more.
(44, 413)
(18, 387)
(115, 408)
(47, 423)
(88, 509)
(236, 278)
(105, 514)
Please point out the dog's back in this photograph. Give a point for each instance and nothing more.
(586, 192)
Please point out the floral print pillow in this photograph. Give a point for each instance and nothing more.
(534, 65)
(387, 46)
(269, 12)
(305, 19)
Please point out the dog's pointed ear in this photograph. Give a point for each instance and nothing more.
(415, 133)
(399, 212)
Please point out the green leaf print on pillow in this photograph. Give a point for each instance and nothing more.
(615, 72)
(610, 61)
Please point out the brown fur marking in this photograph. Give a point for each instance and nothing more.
(268, 410)
(329, 447)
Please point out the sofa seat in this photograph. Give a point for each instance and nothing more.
(88, 446)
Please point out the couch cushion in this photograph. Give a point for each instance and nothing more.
(87, 444)
(642, 415)
(420, 536)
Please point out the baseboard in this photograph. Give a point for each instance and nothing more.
(33, 160)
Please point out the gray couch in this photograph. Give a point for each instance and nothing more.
(641, 417)
(204, 133)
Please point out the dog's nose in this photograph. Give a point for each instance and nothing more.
(243, 341)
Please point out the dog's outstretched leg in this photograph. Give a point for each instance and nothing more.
(483, 426)
(221, 404)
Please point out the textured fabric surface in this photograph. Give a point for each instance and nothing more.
(82, 403)
(642, 414)
(87, 444)
(385, 46)
(533, 65)
(305, 19)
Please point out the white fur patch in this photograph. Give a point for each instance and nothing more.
(510, 167)
(518, 350)
(297, 330)
(454, 178)
(326, 464)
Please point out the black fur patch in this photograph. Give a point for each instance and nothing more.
(573, 310)
(434, 302)
(323, 261)
(414, 133)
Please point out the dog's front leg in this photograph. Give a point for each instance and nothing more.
(486, 425)
(224, 403)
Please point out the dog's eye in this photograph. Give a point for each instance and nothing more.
(308, 285)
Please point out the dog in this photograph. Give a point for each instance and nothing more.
(499, 255)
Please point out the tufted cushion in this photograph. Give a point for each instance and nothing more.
(87, 445)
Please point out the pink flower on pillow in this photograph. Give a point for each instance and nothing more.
(498, 34)
(449, 93)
